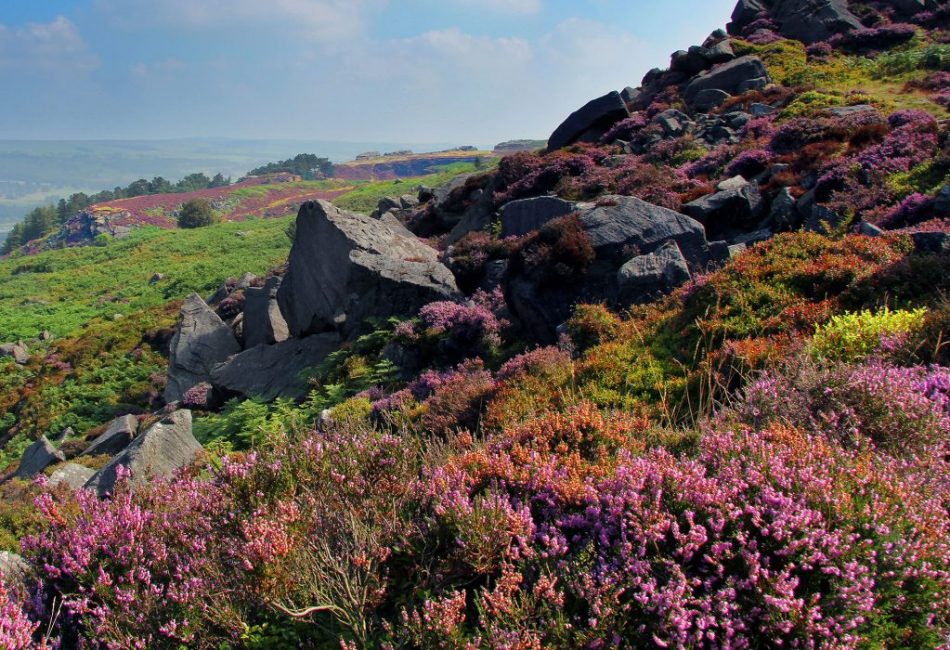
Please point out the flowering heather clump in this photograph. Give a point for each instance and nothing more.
(626, 129)
(914, 209)
(198, 396)
(874, 38)
(16, 628)
(749, 164)
(136, 570)
(474, 328)
(901, 410)
(525, 175)
(534, 362)
(912, 141)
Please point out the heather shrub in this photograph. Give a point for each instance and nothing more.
(17, 629)
(902, 411)
(469, 255)
(856, 336)
(749, 164)
(874, 38)
(468, 329)
(559, 252)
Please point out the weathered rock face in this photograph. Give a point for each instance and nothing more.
(618, 227)
(734, 209)
(158, 453)
(272, 371)
(263, 322)
(37, 457)
(619, 223)
(71, 474)
(590, 122)
(520, 217)
(201, 342)
(18, 351)
(646, 276)
(116, 438)
(942, 204)
(731, 77)
(811, 21)
(345, 268)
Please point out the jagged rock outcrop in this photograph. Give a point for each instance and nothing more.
(271, 371)
(618, 223)
(201, 341)
(37, 457)
(520, 217)
(647, 276)
(116, 438)
(263, 322)
(808, 21)
(620, 229)
(734, 77)
(72, 474)
(346, 268)
(590, 122)
(163, 449)
(737, 207)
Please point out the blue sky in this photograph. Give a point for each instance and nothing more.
(471, 71)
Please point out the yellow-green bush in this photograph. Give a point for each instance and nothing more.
(856, 336)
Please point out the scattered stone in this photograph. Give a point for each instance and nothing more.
(245, 281)
(631, 95)
(155, 279)
(857, 109)
(18, 351)
(263, 322)
(674, 123)
(782, 213)
(166, 447)
(116, 438)
(869, 230)
(201, 342)
(942, 202)
(408, 201)
(931, 242)
(72, 474)
(518, 218)
(708, 99)
(647, 276)
(271, 371)
(761, 110)
(734, 183)
(590, 122)
(37, 457)
(727, 77)
(345, 268)
(13, 568)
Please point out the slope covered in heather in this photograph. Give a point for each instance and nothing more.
(679, 380)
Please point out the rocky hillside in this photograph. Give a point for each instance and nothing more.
(678, 380)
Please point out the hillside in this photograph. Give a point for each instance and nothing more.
(373, 166)
(678, 380)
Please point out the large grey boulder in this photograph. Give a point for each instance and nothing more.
(72, 474)
(37, 457)
(734, 209)
(590, 122)
(201, 342)
(346, 268)
(728, 77)
(271, 371)
(618, 223)
(646, 276)
(811, 21)
(263, 322)
(518, 218)
(744, 13)
(163, 449)
(18, 351)
(116, 438)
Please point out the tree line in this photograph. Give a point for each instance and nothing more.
(42, 220)
(306, 165)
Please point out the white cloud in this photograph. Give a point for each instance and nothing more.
(161, 69)
(315, 19)
(55, 47)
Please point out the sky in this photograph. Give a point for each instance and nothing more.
(466, 71)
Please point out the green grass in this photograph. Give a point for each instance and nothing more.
(64, 290)
(365, 197)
